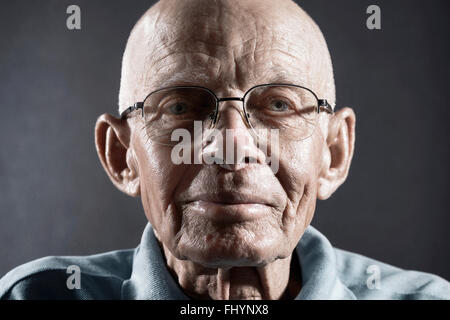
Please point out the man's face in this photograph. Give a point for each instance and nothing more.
(239, 215)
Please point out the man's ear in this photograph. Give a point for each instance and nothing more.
(112, 140)
(337, 153)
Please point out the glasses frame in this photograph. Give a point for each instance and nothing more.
(322, 104)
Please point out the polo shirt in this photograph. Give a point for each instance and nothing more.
(141, 273)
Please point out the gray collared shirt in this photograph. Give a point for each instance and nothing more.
(141, 273)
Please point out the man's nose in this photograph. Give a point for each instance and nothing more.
(237, 145)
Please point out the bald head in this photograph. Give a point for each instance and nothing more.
(224, 45)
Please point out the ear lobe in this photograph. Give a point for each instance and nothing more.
(112, 140)
(338, 152)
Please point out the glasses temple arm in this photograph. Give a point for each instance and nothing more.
(136, 106)
(325, 106)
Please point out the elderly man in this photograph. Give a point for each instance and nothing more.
(228, 134)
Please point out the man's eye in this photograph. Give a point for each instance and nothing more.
(278, 106)
(178, 108)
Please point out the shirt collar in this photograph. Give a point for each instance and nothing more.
(151, 279)
(320, 278)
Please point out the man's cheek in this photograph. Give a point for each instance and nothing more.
(158, 178)
(301, 203)
(301, 161)
(159, 171)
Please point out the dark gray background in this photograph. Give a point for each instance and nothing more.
(55, 198)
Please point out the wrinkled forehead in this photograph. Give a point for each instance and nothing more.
(223, 46)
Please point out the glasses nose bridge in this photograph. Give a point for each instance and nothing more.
(241, 109)
(230, 99)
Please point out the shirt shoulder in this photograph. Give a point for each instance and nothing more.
(97, 276)
(371, 279)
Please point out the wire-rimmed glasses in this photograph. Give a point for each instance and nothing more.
(291, 109)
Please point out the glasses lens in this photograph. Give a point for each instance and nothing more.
(290, 109)
(178, 108)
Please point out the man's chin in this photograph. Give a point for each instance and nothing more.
(230, 262)
(228, 254)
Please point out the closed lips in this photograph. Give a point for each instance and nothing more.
(229, 198)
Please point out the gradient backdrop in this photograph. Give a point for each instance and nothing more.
(55, 198)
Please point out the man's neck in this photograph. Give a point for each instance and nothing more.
(277, 280)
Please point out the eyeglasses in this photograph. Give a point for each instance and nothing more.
(291, 109)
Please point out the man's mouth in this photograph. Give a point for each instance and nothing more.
(231, 197)
(230, 206)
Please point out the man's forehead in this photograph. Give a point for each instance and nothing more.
(223, 46)
(214, 55)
